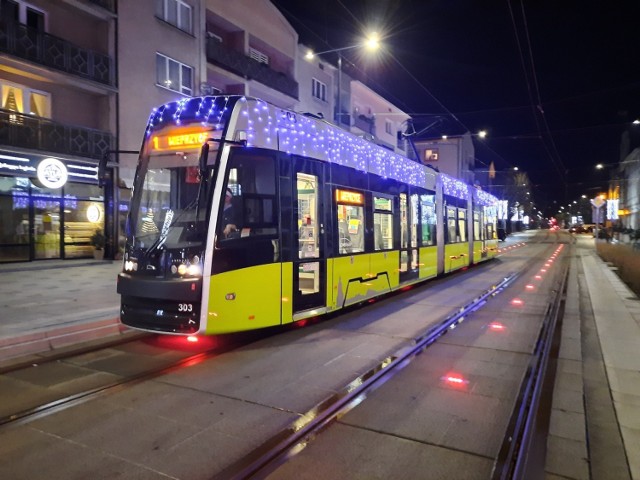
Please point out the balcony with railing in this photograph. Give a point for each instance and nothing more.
(44, 49)
(37, 133)
(240, 64)
(364, 123)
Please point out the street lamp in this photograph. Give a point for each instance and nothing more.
(371, 43)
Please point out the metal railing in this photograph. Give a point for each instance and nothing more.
(53, 52)
(239, 63)
(28, 131)
(364, 123)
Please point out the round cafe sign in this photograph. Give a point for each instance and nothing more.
(52, 173)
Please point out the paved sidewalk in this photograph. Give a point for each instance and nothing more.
(51, 304)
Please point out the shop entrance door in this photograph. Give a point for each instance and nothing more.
(46, 228)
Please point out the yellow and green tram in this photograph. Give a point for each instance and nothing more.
(244, 215)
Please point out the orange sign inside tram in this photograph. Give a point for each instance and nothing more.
(345, 196)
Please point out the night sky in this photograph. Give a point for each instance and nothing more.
(555, 83)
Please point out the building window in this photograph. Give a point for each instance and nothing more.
(174, 75)
(177, 13)
(22, 99)
(24, 13)
(258, 56)
(388, 127)
(319, 90)
(431, 155)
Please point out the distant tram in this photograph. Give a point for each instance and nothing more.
(244, 215)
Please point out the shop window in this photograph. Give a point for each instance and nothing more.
(81, 219)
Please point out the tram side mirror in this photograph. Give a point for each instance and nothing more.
(202, 161)
(102, 170)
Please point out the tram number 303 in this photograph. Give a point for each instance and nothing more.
(185, 307)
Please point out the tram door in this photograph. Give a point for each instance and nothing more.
(408, 237)
(309, 265)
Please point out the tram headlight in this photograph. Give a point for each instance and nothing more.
(194, 270)
(130, 266)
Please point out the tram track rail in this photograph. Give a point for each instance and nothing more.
(521, 454)
(71, 352)
(266, 459)
(66, 401)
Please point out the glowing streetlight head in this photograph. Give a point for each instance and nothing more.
(515, 169)
(309, 55)
(482, 133)
(599, 166)
(373, 41)
(636, 122)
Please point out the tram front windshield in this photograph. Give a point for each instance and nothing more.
(170, 202)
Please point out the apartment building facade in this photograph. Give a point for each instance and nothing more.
(80, 77)
(57, 119)
(252, 55)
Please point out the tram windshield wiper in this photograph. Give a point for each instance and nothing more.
(169, 221)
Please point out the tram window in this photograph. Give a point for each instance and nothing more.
(383, 231)
(477, 231)
(404, 220)
(251, 209)
(414, 221)
(428, 219)
(350, 228)
(452, 236)
(382, 223)
(308, 221)
(462, 225)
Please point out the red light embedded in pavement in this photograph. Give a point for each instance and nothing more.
(408, 287)
(497, 326)
(538, 277)
(454, 379)
(543, 270)
(547, 264)
(517, 301)
(529, 287)
(192, 338)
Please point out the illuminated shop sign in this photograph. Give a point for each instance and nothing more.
(345, 196)
(178, 141)
(52, 173)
